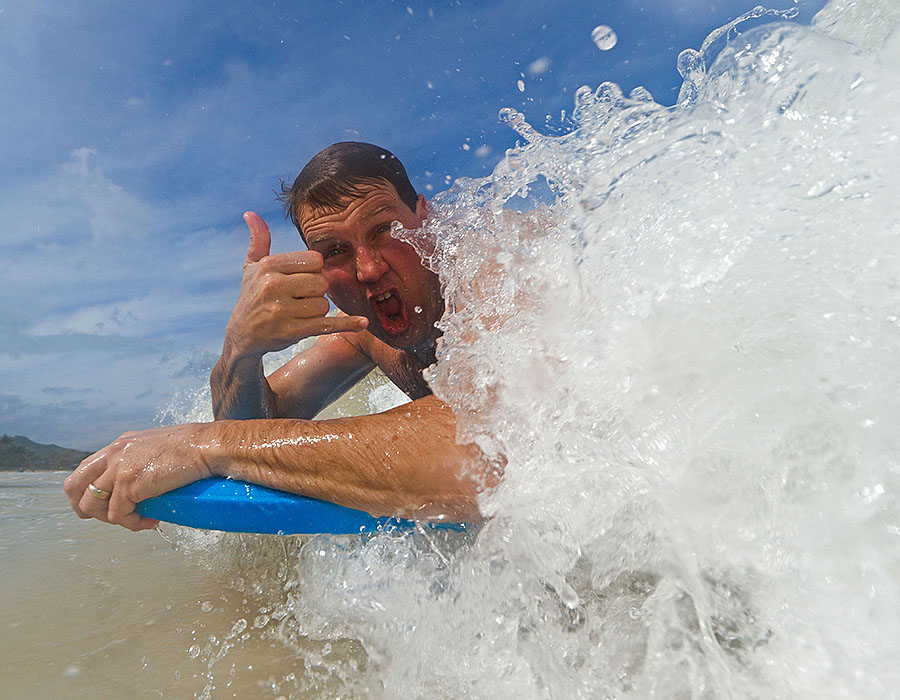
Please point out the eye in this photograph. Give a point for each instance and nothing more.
(332, 252)
(383, 228)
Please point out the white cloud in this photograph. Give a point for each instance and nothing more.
(110, 298)
(73, 202)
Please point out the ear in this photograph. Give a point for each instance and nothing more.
(422, 208)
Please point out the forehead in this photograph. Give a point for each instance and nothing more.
(371, 201)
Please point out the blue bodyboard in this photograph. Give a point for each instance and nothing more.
(237, 506)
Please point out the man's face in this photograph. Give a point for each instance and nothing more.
(369, 272)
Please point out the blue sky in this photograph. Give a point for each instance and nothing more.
(133, 136)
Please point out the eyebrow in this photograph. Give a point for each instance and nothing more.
(376, 211)
(365, 217)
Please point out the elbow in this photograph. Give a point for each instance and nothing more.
(459, 501)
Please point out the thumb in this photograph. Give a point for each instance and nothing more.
(260, 240)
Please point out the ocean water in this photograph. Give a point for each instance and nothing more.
(686, 347)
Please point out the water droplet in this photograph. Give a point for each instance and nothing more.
(418, 309)
(194, 651)
(521, 85)
(689, 62)
(604, 37)
(583, 96)
(641, 94)
(508, 115)
(608, 92)
(238, 627)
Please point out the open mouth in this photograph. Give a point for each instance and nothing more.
(391, 311)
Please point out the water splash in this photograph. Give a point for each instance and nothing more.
(686, 348)
(696, 402)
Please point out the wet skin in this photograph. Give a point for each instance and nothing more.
(393, 302)
(402, 462)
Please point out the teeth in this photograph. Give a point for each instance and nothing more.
(382, 297)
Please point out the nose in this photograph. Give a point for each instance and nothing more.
(370, 266)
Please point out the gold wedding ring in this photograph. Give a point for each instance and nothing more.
(99, 494)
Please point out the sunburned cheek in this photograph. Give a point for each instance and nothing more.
(403, 252)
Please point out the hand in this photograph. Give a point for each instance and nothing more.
(282, 299)
(138, 466)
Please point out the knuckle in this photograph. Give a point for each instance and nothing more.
(312, 259)
(322, 306)
(311, 285)
(321, 286)
(124, 477)
(269, 284)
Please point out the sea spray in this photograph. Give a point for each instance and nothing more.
(685, 346)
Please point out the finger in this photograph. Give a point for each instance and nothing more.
(299, 261)
(309, 286)
(75, 485)
(299, 286)
(136, 523)
(121, 512)
(308, 307)
(93, 507)
(342, 324)
(260, 239)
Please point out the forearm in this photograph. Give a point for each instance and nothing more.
(404, 462)
(240, 390)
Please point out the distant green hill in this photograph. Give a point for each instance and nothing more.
(21, 454)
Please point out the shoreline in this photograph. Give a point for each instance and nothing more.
(35, 470)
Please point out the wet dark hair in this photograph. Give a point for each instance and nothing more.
(342, 171)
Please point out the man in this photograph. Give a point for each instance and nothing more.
(403, 462)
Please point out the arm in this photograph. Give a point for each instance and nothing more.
(403, 462)
(299, 389)
(282, 301)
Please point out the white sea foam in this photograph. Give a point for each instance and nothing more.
(688, 354)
